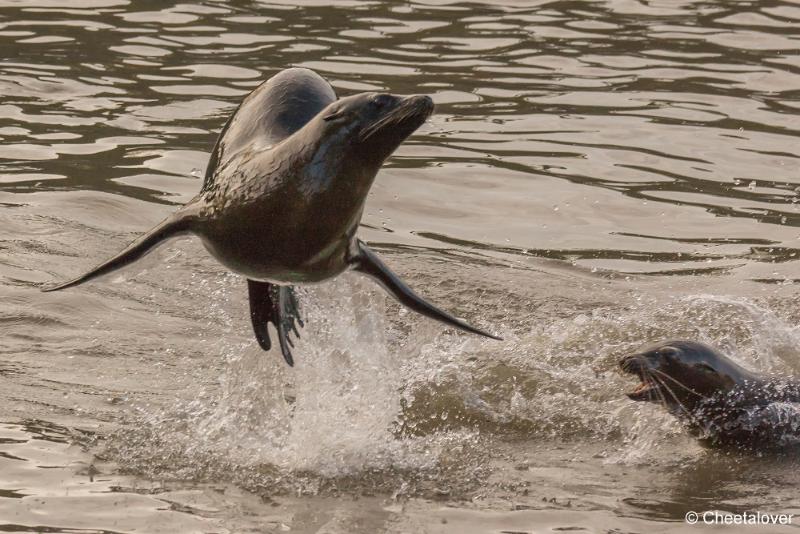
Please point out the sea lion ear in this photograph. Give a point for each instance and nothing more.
(705, 367)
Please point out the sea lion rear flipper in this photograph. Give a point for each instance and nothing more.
(271, 303)
(177, 223)
(370, 264)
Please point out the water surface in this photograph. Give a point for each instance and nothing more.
(597, 175)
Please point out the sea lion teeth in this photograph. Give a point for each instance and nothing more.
(643, 392)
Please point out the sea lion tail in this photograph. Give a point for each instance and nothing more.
(178, 223)
(370, 264)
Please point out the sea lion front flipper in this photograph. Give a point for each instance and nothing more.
(178, 223)
(271, 303)
(370, 264)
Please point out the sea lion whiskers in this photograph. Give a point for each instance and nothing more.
(684, 386)
(666, 404)
(659, 387)
(656, 385)
(653, 385)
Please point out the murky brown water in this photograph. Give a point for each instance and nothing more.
(597, 175)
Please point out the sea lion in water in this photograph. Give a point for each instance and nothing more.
(283, 195)
(721, 403)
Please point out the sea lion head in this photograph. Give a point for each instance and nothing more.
(366, 128)
(681, 374)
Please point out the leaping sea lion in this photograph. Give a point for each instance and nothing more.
(283, 195)
(721, 403)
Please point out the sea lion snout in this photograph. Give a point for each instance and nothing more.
(639, 365)
(423, 103)
(386, 121)
(414, 109)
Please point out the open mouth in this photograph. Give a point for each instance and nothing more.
(644, 392)
(647, 390)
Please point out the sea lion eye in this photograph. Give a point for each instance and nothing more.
(705, 367)
(333, 115)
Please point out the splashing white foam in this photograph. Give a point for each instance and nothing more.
(771, 344)
(334, 411)
(337, 413)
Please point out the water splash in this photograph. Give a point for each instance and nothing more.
(370, 404)
(769, 344)
(331, 413)
(331, 417)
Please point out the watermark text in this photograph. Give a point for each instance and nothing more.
(716, 517)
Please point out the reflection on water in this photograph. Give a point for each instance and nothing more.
(597, 175)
